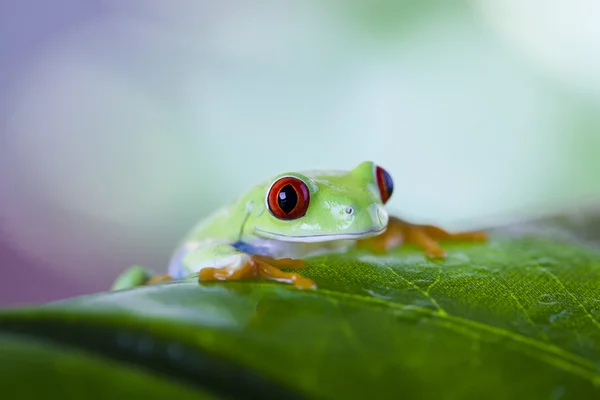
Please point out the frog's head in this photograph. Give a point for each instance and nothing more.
(324, 206)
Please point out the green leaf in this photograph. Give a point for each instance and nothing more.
(32, 369)
(512, 318)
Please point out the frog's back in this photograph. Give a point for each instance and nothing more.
(222, 225)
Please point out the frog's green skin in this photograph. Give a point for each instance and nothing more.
(344, 206)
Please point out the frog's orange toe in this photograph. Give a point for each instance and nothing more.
(157, 279)
(257, 267)
(281, 263)
(224, 273)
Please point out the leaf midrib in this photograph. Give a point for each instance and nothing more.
(202, 369)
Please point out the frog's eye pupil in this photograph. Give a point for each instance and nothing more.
(288, 198)
(385, 183)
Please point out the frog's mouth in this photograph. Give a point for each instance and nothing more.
(319, 238)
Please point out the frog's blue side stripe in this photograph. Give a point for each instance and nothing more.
(250, 249)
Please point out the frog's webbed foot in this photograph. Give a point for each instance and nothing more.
(427, 237)
(250, 266)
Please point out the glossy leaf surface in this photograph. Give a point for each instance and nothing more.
(512, 318)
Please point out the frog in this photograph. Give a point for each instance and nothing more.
(280, 222)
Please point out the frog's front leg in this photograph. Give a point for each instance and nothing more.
(425, 236)
(225, 262)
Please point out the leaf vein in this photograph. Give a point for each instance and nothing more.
(575, 298)
(521, 307)
(554, 355)
(425, 293)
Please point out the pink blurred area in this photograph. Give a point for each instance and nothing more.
(29, 282)
(95, 172)
(26, 26)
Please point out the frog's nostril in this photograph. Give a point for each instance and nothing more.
(349, 210)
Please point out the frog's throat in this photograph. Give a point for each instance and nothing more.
(319, 238)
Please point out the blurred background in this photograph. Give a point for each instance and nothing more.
(124, 122)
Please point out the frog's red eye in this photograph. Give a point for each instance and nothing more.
(288, 198)
(385, 184)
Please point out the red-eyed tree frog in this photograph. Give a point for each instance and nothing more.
(292, 216)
